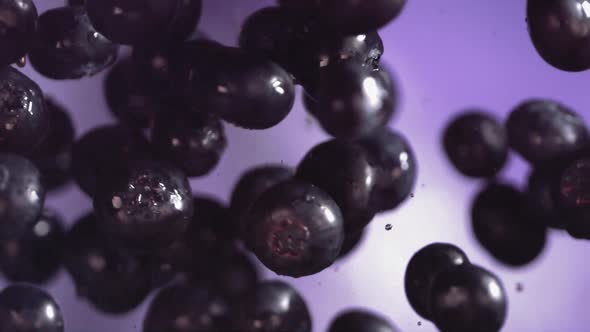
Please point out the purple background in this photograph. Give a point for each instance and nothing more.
(448, 55)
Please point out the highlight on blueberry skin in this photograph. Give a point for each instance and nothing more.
(24, 120)
(68, 47)
(145, 205)
(295, 229)
(21, 194)
(25, 308)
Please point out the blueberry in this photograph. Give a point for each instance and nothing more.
(476, 144)
(543, 131)
(193, 141)
(351, 100)
(184, 22)
(468, 298)
(18, 24)
(181, 307)
(36, 255)
(114, 282)
(145, 205)
(274, 306)
(242, 88)
(101, 150)
(128, 96)
(360, 320)
(352, 16)
(24, 121)
(25, 308)
(53, 156)
(396, 168)
(540, 195)
(551, 26)
(21, 195)
(503, 225)
(165, 69)
(132, 22)
(68, 47)
(298, 42)
(346, 172)
(212, 225)
(295, 229)
(229, 272)
(422, 270)
(252, 184)
(573, 198)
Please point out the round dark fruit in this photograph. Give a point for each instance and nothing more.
(111, 280)
(229, 272)
(21, 195)
(36, 255)
(128, 97)
(295, 229)
(422, 270)
(18, 25)
(242, 88)
(298, 42)
(252, 184)
(352, 16)
(274, 306)
(132, 22)
(468, 298)
(503, 225)
(184, 22)
(543, 131)
(183, 308)
(345, 171)
(102, 150)
(193, 141)
(53, 156)
(541, 198)
(351, 100)
(25, 308)
(574, 198)
(24, 121)
(68, 47)
(212, 225)
(360, 320)
(573, 187)
(146, 205)
(395, 165)
(557, 29)
(476, 144)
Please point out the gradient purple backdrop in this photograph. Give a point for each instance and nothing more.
(448, 56)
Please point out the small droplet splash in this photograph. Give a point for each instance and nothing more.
(388, 227)
(519, 287)
(412, 195)
(419, 323)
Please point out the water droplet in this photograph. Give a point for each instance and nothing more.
(412, 195)
(519, 287)
(388, 227)
(419, 323)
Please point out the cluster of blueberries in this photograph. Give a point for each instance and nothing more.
(171, 96)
